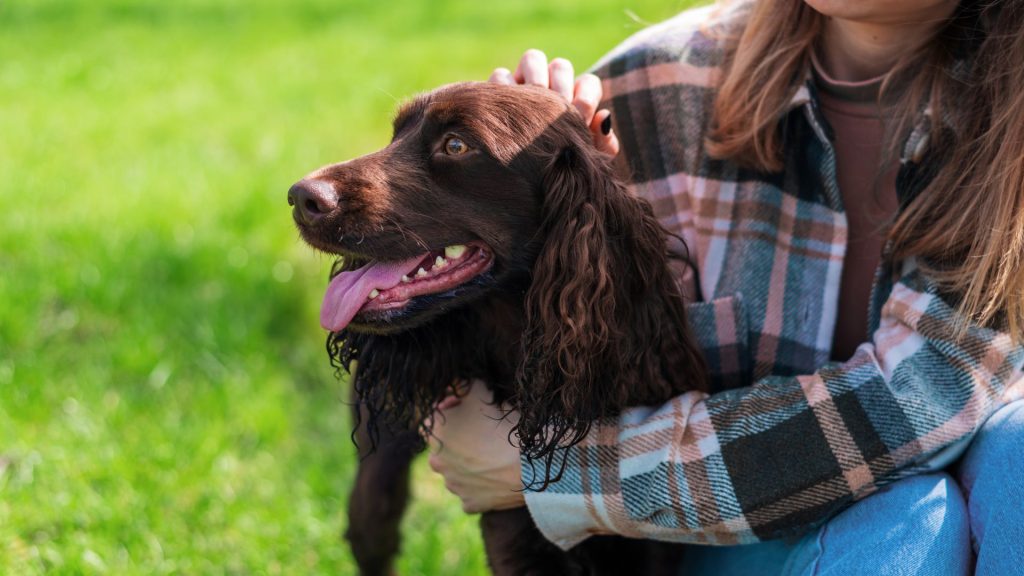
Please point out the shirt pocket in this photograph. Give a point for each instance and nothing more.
(722, 331)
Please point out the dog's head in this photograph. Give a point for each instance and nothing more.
(451, 207)
(487, 187)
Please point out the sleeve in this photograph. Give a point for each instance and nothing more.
(779, 457)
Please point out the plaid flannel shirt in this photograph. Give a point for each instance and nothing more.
(786, 438)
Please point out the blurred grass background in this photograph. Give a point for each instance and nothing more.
(165, 403)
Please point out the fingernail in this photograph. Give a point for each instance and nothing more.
(606, 125)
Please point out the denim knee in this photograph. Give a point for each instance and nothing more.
(990, 474)
(996, 456)
(916, 526)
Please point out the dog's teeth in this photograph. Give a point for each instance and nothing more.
(406, 279)
(374, 293)
(421, 272)
(440, 262)
(455, 251)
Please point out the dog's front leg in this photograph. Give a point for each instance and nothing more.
(379, 498)
(515, 547)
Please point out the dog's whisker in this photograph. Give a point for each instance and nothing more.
(407, 234)
(416, 238)
(428, 217)
(402, 231)
(389, 94)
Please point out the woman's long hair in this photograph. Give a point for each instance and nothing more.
(966, 228)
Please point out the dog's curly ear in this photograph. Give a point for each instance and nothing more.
(606, 323)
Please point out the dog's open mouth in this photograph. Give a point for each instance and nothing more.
(390, 285)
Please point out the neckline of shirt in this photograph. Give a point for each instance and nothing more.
(861, 91)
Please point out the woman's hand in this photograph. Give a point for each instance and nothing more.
(584, 93)
(470, 448)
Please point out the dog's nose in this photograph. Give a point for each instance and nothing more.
(312, 200)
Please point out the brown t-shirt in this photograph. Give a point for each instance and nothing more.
(869, 197)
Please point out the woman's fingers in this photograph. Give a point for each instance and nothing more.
(587, 96)
(603, 133)
(502, 76)
(533, 69)
(584, 92)
(560, 74)
(450, 401)
(470, 448)
(436, 463)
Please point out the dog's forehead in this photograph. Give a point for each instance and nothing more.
(489, 97)
(476, 103)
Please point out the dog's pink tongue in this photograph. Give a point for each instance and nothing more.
(347, 291)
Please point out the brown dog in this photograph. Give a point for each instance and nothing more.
(491, 241)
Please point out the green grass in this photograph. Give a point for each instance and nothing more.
(165, 403)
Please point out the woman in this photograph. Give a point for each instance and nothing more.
(849, 179)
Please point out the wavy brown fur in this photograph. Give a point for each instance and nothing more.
(606, 323)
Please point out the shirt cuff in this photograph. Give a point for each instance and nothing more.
(563, 518)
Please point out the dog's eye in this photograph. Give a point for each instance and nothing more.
(454, 146)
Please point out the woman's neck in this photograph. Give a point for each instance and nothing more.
(854, 49)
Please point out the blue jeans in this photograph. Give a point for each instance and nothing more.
(926, 525)
(991, 475)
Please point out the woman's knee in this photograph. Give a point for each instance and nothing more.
(929, 509)
(990, 474)
(917, 525)
(993, 465)
(995, 456)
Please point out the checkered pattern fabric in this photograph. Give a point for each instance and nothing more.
(787, 438)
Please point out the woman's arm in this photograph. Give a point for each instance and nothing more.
(783, 453)
(772, 459)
